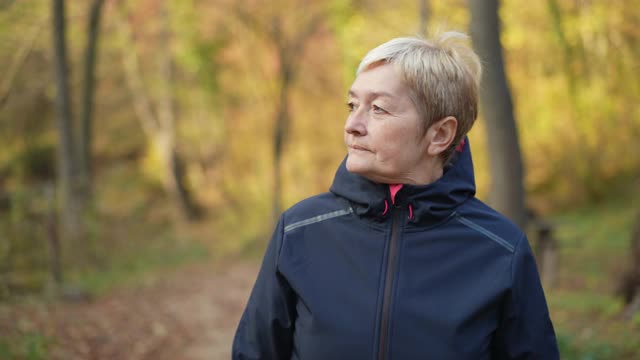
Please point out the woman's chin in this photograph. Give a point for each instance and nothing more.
(356, 165)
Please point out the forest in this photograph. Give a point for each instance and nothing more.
(149, 147)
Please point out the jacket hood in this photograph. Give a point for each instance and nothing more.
(429, 203)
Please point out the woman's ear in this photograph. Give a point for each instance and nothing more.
(441, 134)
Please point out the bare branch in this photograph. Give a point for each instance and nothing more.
(165, 101)
(300, 41)
(133, 76)
(249, 20)
(19, 59)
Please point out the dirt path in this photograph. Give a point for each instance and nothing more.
(190, 314)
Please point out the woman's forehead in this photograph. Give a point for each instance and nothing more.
(379, 81)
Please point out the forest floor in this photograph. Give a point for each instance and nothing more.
(189, 313)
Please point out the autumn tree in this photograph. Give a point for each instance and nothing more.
(74, 146)
(67, 161)
(507, 190)
(288, 40)
(157, 116)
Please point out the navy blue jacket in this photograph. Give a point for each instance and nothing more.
(437, 275)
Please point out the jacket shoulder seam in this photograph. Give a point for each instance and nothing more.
(279, 240)
(317, 219)
(502, 242)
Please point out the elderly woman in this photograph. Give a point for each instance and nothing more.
(400, 260)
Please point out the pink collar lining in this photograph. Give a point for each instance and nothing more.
(394, 188)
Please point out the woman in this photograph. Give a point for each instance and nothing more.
(400, 260)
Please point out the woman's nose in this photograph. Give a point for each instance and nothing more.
(356, 124)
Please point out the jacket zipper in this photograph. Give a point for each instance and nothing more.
(388, 282)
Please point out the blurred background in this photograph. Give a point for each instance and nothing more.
(148, 146)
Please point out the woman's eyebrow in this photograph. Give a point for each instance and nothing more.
(374, 94)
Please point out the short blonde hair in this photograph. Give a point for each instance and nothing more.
(443, 74)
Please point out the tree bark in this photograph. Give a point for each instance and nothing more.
(546, 248)
(86, 119)
(568, 52)
(629, 287)
(280, 134)
(51, 226)
(67, 163)
(507, 190)
(289, 51)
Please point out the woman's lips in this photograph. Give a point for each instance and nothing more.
(359, 148)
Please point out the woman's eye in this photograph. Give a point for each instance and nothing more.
(377, 109)
(351, 106)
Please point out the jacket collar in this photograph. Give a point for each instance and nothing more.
(430, 203)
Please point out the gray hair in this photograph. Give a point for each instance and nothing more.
(443, 74)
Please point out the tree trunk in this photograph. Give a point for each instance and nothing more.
(546, 248)
(507, 191)
(630, 285)
(51, 226)
(289, 51)
(86, 119)
(173, 177)
(567, 49)
(158, 126)
(175, 182)
(67, 163)
(279, 138)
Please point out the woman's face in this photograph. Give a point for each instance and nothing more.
(384, 134)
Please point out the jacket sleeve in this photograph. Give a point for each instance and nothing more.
(265, 330)
(525, 330)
